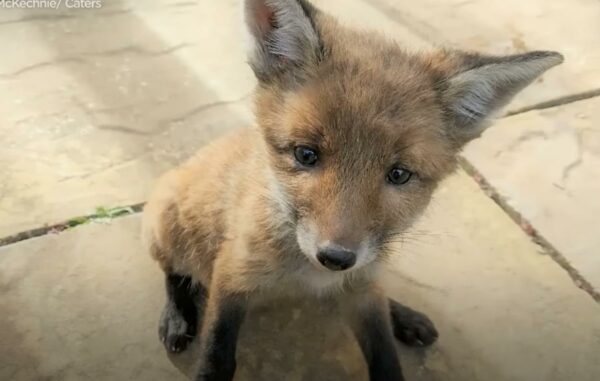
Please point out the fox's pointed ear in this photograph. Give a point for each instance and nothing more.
(480, 85)
(284, 37)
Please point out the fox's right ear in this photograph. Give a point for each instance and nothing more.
(285, 40)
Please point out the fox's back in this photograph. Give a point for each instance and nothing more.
(187, 216)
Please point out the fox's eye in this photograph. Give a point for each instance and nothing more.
(399, 176)
(306, 156)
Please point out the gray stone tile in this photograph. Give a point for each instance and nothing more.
(100, 103)
(546, 165)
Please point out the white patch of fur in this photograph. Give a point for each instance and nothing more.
(278, 195)
(321, 281)
(366, 254)
(306, 235)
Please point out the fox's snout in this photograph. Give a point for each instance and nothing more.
(333, 252)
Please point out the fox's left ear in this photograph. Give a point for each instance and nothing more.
(480, 85)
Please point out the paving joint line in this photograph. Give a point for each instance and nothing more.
(69, 224)
(561, 101)
(528, 229)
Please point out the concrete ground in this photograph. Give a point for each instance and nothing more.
(95, 104)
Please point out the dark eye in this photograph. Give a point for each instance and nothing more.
(399, 176)
(306, 156)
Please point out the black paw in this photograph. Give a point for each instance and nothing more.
(174, 331)
(411, 327)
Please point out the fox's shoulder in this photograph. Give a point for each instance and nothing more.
(195, 196)
(206, 168)
(205, 180)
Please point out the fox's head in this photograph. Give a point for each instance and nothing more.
(359, 131)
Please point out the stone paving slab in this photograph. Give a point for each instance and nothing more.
(99, 103)
(512, 26)
(81, 306)
(546, 165)
(84, 305)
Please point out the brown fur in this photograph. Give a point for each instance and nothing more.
(391, 113)
(234, 216)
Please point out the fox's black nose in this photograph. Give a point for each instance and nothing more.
(336, 259)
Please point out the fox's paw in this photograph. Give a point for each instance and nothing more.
(174, 331)
(411, 327)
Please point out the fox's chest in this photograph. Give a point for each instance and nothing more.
(307, 280)
(318, 281)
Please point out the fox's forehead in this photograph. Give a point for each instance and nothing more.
(370, 119)
(379, 85)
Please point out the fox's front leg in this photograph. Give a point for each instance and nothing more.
(222, 321)
(371, 324)
(182, 312)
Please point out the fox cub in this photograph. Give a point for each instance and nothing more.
(353, 134)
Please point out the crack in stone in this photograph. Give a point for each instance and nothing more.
(526, 137)
(575, 163)
(183, 4)
(103, 169)
(132, 49)
(123, 129)
(107, 110)
(40, 65)
(161, 125)
(198, 109)
(37, 117)
(137, 50)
